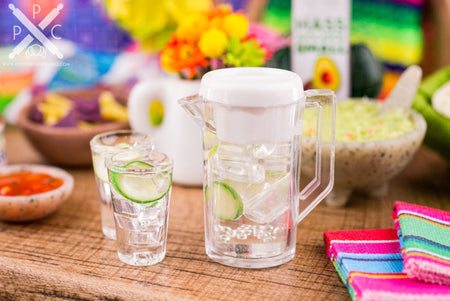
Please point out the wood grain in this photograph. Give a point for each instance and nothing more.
(66, 257)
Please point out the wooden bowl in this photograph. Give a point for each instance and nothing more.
(67, 146)
(36, 206)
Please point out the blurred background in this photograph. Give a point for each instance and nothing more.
(87, 44)
(398, 33)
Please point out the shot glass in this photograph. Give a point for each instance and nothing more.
(102, 147)
(141, 190)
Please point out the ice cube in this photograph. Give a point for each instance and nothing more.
(262, 151)
(279, 159)
(125, 206)
(234, 162)
(270, 202)
(127, 222)
(145, 238)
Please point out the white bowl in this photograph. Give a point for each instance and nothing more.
(36, 206)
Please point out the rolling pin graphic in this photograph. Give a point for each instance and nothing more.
(35, 31)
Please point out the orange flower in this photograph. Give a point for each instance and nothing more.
(182, 56)
(219, 12)
(217, 15)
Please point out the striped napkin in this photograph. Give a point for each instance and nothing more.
(424, 235)
(370, 263)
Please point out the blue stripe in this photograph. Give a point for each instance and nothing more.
(370, 263)
(400, 239)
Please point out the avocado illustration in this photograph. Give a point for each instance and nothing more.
(366, 72)
(326, 74)
(437, 136)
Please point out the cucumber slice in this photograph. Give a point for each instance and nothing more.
(213, 150)
(141, 189)
(129, 155)
(137, 165)
(228, 203)
(98, 161)
(207, 193)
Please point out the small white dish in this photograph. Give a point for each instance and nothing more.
(35, 206)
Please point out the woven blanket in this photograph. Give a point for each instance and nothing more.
(370, 263)
(424, 235)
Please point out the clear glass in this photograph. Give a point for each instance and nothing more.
(102, 147)
(252, 159)
(141, 190)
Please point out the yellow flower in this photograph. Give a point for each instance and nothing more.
(212, 43)
(152, 21)
(191, 27)
(235, 25)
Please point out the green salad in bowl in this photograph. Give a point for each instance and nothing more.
(370, 148)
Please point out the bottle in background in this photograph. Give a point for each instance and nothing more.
(321, 44)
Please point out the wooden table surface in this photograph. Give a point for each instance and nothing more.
(65, 256)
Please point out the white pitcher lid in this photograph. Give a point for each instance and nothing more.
(251, 86)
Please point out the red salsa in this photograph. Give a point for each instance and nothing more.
(27, 183)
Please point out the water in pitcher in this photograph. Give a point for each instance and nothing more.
(252, 125)
(248, 199)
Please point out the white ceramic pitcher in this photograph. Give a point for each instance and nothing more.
(177, 135)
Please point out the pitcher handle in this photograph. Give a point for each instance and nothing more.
(139, 101)
(316, 190)
(193, 107)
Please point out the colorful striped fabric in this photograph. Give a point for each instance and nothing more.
(370, 263)
(424, 235)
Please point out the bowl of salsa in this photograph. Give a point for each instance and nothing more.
(370, 147)
(31, 192)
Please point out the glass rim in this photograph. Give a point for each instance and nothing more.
(95, 142)
(162, 164)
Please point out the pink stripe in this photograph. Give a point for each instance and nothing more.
(396, 286)
(427, 269)
(412, 257)
(435, 213)
(364, 248)
(375, 234)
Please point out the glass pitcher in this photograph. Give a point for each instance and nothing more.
(251, 120)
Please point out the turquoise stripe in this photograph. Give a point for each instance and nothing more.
(340, 273)
(412, 226)
(411, 242)
(344, 280)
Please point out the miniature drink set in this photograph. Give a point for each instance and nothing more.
(251, 120)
